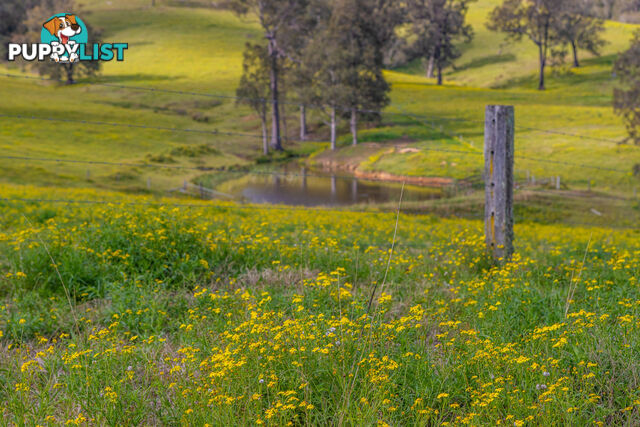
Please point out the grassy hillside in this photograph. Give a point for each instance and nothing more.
(137, 314)
(170, 48)
(199, 50)
(490, 61)
(140, 309)
(577, 101)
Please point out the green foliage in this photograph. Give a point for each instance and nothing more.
(437, 27)
(577, 28)
(535, 20)
(626, 96)
(344, 60)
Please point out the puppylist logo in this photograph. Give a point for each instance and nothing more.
(64, 39)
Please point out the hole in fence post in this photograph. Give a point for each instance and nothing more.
(499, 180)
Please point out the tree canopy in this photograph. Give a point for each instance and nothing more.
(626, 95)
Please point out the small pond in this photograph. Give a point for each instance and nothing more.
(298, 186)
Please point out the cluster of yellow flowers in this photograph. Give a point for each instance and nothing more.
(148, 314)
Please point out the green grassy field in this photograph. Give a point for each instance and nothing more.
(214, 314)
(577, 101)
(174, 49)
(149, 312)
(200, 50)
(139, 309)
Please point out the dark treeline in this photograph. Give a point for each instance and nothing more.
(622, 10)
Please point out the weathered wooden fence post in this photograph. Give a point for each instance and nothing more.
(499, 164)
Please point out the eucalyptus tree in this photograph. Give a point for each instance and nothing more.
(277, 18)
(437, 28)
(626, 94)
(533, 19)
(253, 89)
(576, 27)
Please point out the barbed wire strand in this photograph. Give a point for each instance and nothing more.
(201, 94)
(423, 121)
(314, 106)
(562, 193)
(129, 125)
(214, 169)
(580, 165)
(208, 168)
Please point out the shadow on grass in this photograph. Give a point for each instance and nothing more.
(130, 78)
(484, 61)
(567, 78)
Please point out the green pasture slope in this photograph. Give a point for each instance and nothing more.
(200, 50)
(170, 48)
(577, 101)
(152, 312)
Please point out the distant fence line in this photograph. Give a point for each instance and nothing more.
(299, 103)
(224, 133)
(424, 120)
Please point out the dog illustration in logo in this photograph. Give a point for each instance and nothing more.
(63, 27)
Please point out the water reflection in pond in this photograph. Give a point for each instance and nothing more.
(302, 187)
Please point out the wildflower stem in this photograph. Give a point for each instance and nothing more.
(356, 364)
(55, 266)
(572, 287)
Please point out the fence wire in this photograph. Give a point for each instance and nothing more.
(423, 120)
(322, 107)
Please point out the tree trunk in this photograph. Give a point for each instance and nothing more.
(333, 128)
(284, 124)
(576, 62)
(276, 142)
(303, 123)
(69, 70)
(432, 59)
(354, 125)
(265, 136)
(611, 4)
(543, 62)
(439, 74)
